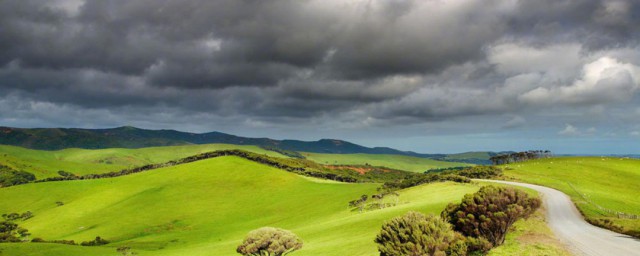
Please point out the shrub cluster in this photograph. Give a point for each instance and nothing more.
(490, 212)
(415, 234)
(67, 242)
(96, 242)
(416, 179)
(11, 232)
(476, 172)
(472, 227)
(11, 177)
(17, 216)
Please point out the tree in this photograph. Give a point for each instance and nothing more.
(490, 212)
(415, 234)
(269, 241)
(12, 233)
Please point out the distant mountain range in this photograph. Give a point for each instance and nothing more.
(132, 137)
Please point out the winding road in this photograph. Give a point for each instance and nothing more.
(570, 227)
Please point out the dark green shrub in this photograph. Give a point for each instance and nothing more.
(415, 234)
(38, 240)
(490, 212)
(11, 233)
(478, 245)
(96, 242)
(65, 173)
(69, 242)
(11, 177)
(17, 216)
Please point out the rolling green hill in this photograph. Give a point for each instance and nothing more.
(46, 164)
(599, 186)
(407, 163)
(206, 208)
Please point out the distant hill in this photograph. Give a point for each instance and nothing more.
(131, 137)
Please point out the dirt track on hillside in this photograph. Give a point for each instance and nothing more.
(569, 226)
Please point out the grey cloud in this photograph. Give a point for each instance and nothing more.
(319, 63)
(596, 24)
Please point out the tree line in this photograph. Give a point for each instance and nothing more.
(284, 164)
(520, 156)
(12, 177)
(391, 177)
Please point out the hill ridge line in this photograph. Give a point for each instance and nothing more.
(132, 137)
(254, 157)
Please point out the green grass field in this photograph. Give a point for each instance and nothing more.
(206, 208)
(611, 183)
(84, 161)
(406, 163)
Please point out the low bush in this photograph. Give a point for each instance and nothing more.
(490, 212)
(38, 240)
(415, 234)
(68, 242)
(96, 242)
(477, 172)
(269, 241)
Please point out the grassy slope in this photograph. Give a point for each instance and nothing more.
(206, 208)
(407, 163)
(609, 182)
(83, 161)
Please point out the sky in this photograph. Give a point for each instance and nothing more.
(430, 76)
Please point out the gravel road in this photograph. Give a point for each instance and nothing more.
(570, 227)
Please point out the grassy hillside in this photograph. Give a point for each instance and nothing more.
(407, 163)
(84, 161)
(597, 185)
(207, 207)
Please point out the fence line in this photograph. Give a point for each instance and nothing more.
(620, 215)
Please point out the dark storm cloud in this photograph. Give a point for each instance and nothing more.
(311, 62)
(596, 24)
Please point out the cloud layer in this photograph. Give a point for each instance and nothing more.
(318, 65)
